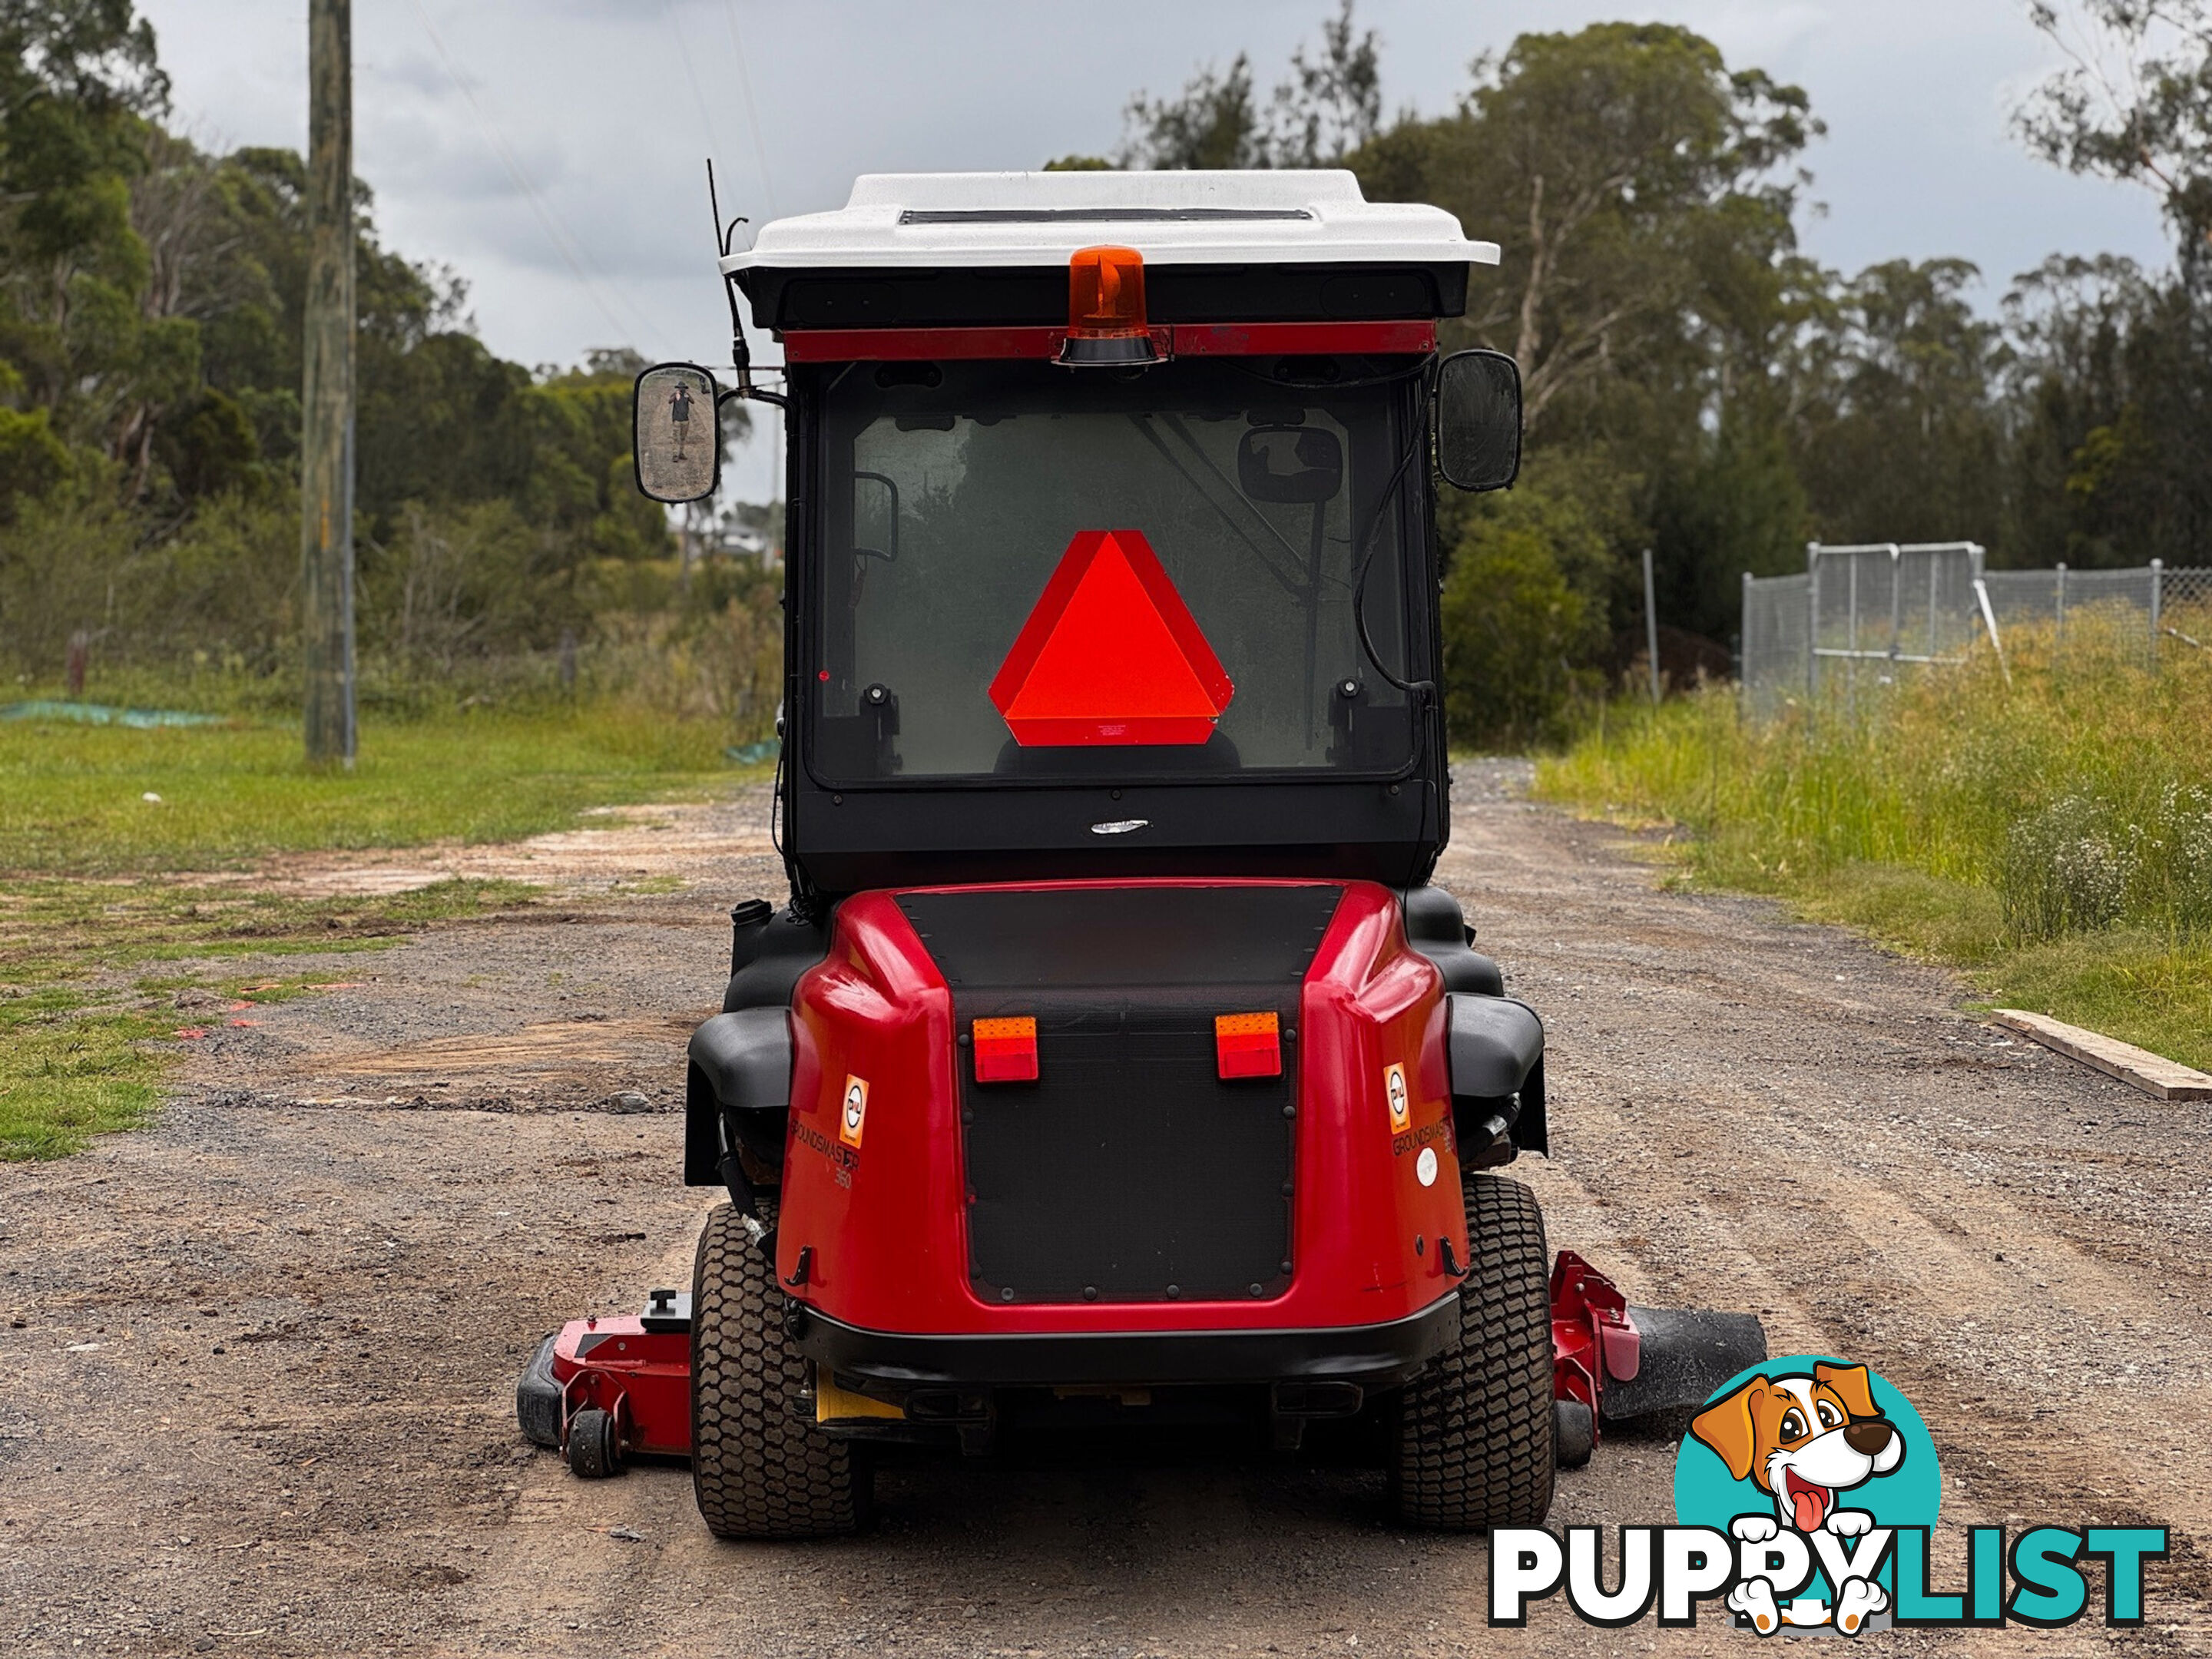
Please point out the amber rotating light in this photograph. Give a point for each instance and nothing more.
(1106, 324)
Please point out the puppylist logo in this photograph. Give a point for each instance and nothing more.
(1805, 1494)
(1798, 1462)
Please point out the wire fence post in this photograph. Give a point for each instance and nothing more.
(2157, 605)
(1812, 628)
(1975, 553)
(1743, 653)
(1651, 626)
(1852, 645)
(2059, 634)
(1935, 611)
(1896, 606)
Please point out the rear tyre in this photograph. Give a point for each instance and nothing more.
(760, 1469)
(1475, 1446)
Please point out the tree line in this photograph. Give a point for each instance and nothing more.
(1697, 384)
(151, 301)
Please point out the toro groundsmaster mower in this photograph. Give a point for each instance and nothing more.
(1112, 1057)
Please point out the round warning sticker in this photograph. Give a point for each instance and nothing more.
(854, 1116)
(1394, 1092)
(1425, 1166)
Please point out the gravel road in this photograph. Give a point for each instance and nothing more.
(260, 1356)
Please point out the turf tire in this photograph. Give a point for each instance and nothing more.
(1475, 1446)
(760, 1468)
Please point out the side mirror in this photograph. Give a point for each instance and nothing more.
(676, 429)
(1478, 420)
(1303, 464)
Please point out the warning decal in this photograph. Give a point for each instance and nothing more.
(1111, 655)
(854, 1114)
(1402, 1102)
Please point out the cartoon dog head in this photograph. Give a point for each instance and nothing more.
(1803, 1439)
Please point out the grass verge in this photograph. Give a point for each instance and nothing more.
(75, 799)
(2047, 831)
(95, 897)
(85, 1041)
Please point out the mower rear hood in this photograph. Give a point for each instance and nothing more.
(1130, 1185)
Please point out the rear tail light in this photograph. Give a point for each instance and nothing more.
(1006, 1050)
(1247, 1045)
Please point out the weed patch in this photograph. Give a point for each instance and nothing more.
(2049, 832)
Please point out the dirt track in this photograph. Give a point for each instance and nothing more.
(260, 1356)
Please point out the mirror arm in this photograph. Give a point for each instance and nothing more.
(745, 388)
(741, 354)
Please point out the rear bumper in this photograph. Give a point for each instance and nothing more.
(1372, 1356)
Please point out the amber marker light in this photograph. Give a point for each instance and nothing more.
(1106, 322)
(1006, 1050)
(1246, 1045)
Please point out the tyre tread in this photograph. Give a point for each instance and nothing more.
(1475, 1438)
(759, 1470)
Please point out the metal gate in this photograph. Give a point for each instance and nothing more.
(1858, 617)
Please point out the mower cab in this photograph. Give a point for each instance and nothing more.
(1112, 1056)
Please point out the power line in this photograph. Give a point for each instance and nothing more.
(698, 98)
(547, 218)
(768, 191)
(752, 113)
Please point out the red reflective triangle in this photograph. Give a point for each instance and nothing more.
(1111, 655)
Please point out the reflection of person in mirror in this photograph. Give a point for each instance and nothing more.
(679, 411)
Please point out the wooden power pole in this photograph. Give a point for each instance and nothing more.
(326, 400)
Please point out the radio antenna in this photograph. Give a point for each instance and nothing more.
(741, 355)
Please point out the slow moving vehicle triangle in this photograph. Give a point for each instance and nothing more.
(1111, 655)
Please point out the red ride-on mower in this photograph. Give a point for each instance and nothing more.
(1113, 1059)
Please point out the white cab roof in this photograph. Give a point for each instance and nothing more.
(947, 219)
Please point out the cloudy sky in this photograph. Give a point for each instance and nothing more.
(550, 149)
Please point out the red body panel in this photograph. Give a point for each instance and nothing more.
(886, 1219)
(881, 345)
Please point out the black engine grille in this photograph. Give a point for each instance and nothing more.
(1128, 1170)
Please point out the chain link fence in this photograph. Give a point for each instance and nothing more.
(1859, 618)
(1777, 642)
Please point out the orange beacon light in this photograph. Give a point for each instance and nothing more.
(1106, 323)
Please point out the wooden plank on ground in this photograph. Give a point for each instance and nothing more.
(2154, 1074)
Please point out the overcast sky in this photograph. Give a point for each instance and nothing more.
(550, 149)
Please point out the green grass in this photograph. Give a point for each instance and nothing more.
(2049, 834)
(96, 894)
(85, 1043)
(72, 798)
(66, 1078)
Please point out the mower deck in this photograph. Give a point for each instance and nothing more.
(603, 1390)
